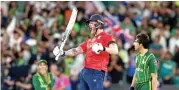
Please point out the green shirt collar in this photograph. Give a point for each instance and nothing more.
(146, 53)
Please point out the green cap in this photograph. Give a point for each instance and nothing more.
(42, 61)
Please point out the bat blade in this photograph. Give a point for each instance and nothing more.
(69, 27)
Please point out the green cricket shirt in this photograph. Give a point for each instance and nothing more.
(145, 65)
(40, 83)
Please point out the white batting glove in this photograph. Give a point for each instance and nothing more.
(97, 47)
(57, 52)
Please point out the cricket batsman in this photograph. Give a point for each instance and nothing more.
(97, 50)
(145, 77)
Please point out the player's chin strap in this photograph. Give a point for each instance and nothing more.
(96, 31)
(97, 27)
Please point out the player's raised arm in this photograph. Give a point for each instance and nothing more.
(70, 52)
(74, 51)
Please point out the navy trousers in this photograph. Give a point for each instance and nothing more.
(91, 79)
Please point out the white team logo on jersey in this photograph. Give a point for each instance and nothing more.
(99, 37)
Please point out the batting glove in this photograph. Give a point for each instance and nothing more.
(97, 47)
(57, 52)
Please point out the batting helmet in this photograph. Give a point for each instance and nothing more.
(96, 17)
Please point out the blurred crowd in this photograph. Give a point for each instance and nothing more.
(30, 30)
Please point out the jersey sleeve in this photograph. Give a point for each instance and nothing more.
(110, 39)
(36, 82)
(153, 65)
(84, 46)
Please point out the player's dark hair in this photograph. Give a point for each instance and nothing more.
(143, 39)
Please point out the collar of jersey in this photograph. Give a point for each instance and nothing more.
(144, 54)
(99, 34)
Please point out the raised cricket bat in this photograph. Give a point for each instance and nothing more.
(68, 29)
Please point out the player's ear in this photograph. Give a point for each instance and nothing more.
(141, 45)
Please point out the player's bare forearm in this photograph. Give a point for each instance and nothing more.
(154, 81)
(74, 51)
(133, 81)
(112, 49)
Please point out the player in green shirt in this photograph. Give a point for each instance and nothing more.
(43, 80)
(145, 77)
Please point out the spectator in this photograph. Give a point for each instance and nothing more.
(73, 39)
(176, 56)
(15, 74)
(123, 53)
(115, 69)
(63, 81)
(160, 31)
(25, 83)
(131, 68)
(26, 53)
(41, 53)
(68, 62)
(107, 82)
(32, 42)
(9, 83)
(54, 28)
(54, 71)
(156, 48)
(174, 42)
(43, 80)
(19, 61)
(128, 25)
(12, 9)
(167, 69)
(16, 38)
(74, 79)
(145, 28)
(4, 13)
(176, 78)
